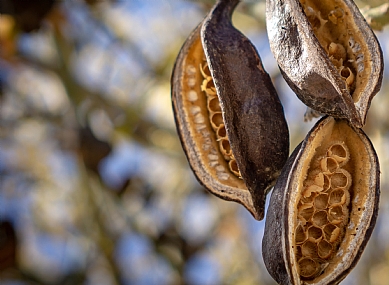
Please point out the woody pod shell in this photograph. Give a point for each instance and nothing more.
(280, 243)
(328, 55)
(252, 114)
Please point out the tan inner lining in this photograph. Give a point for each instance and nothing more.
(340, 37)
(196, 105)
(320, 234)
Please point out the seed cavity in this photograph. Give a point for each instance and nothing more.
(216, 118)
(331, 26)
(322, 211)
(192, 96)
(309, 268)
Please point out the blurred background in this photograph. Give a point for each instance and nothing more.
(94, 185)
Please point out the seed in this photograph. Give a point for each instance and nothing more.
(319, 219)
(301, 234)
(314, 234)
(321, 201)
(324, 249)
(309, 249)
(339, 151)
(308, 267)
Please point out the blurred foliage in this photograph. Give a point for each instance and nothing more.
(94, 185)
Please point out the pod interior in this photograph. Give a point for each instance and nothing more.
(340, 36)
(204, 118)
(333, 185)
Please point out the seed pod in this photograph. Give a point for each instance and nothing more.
(228, 115)
(323, 246)
(328, 55)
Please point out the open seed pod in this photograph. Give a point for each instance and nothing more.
(328, 55)
(228, 115)
(323, 207)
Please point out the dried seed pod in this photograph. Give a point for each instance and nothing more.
(328, 55)
(228, 115)
(322, 245)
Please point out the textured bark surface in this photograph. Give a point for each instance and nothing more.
(273, 243)
(188, 135)
(307, 68)
(252, 112)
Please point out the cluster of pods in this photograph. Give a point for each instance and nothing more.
(232, 127)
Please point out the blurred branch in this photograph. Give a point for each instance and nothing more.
(377, 17)
(100, 234)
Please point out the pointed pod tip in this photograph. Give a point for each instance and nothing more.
(257, 214)
(358, 122)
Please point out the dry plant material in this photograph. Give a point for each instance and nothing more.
(228, 115)
(216, 118)
(323, 207)
(328, 55)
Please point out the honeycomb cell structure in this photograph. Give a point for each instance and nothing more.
(216, 118)
(323, 211)
(329, 22)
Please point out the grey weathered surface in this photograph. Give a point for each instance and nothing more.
(308, 69)
(273, 248)
(252, 112)
(276, 248)
(188, 136)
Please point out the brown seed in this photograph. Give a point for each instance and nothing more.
(328, 165)
(339, 197)
(338, 233)
(305, 212)
(321, 201)
(339, 151)
(301, 234)
(328, 55)
(309, 249)
(228, 115)
(319, 219)
(315, 234)
(308, 267)
(331, 232)
(341, 179)
(325, 249)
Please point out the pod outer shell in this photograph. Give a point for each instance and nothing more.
(307, 68)
(253, 115)
(186, 135)
(272, 244)
(252, 112)
(276, 249)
